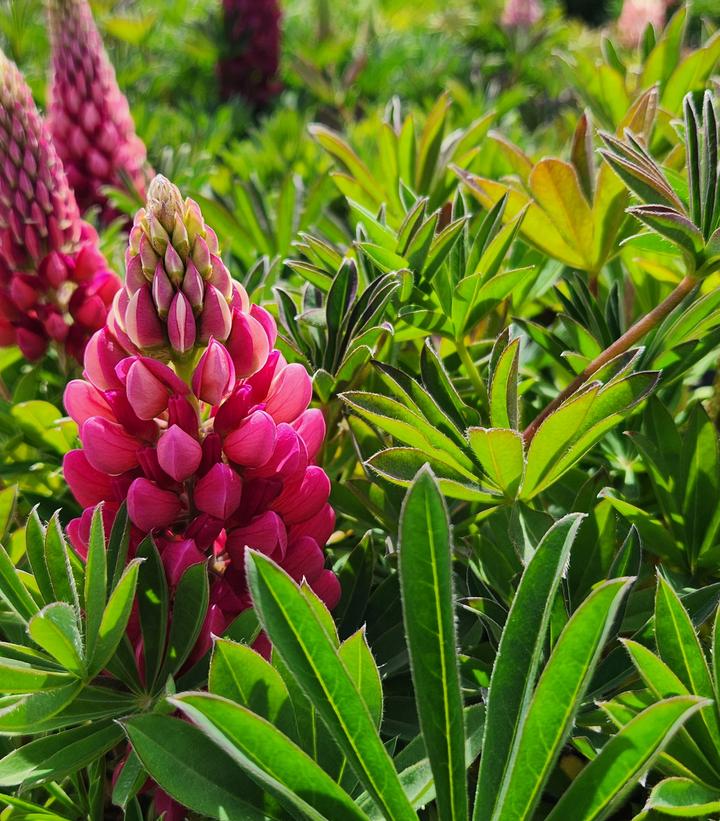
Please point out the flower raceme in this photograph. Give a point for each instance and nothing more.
(55, 284)
(89, 116)
(213, 445)
(521, 14)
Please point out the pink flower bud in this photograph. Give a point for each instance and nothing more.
(108, 447)
(327, 587)
(218, 492)
(215, 319)
(102, 354)
(310, 425)
(151, 508)
(54, 269)
(193, 286)
(124, 413)
(182, 414)
(158, 235)
(88, 486)
(212, 452)
(22, 292)
(220, 277)
(201, 257)
(267, 320)
(204, 530)
(214, 376)
(179, 454)
(233, 408)
(252, 443)
(177, 557)
(248, 345)
(162, 291)
(265, 533)
(304, 559)
(320, 526)
(148, 258)
(142, 323)
(32, 341)
(82, 400)
(290, 393)
(289, 457)
(134, 275)
(145, 392)
(303, 498)
(174, 265)
(181, 324)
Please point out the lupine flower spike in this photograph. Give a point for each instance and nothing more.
(636, 15)
(55, 284)
(188, 413)
(251, 52)
(88, 115)
(521, 14)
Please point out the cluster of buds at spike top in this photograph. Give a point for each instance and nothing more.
(55, 284)
(89, 116)
(178, 293)
(636, 16)
(521, 14)
(211, 458)
(251, 51)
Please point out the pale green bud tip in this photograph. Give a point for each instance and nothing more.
(164, 202)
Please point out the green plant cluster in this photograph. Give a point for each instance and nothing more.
(497, 252)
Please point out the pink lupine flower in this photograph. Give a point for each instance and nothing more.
(521, 14)
(212, 444)
(55, 285)
(251, 50)
(635, 17)
(88, 115)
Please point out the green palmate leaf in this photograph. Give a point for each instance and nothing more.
(428, 610)
(269, 757)
(13, 591)
(26, 714)
(363, 670)
(503, 387)
(502, 456)
(189, 611)
(152, 598)
(518, 659)
(95, 582)
(310, 655)
(240, 674)
(21, 677)
(683, 798)
(55, 628)
(556, 700)
(35, 549)
(208, 782)
(58, 560)
(624, 759)
(58, 755)
(115, 618)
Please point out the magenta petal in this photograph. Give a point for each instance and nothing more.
(150, 507)
(320, 526)
(218, 492)
(181, 324)
(265, 533)
(289, 457)
(145, 392)
(142, 322)
(248, 345)
(327, 587)
(310, 425)
(214, 376)
(215, 319)
(252, 443)
(108, 446)
(290, 393)
(178, 556)
(102, 354)
(88, 486)
(82, 400)
(179, 454)
(304, 559)
(302, 499)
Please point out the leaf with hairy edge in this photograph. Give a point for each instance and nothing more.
(208, 782)
(21, 677)
(518, 658)
(355, 653)
(626, 757)
(502, 456)
(13, 591)
(190, 606)
(556, 700)
(300, 639)
(153, 607)
(25, 715)
(683, 798)
(269, 758)
(58, 755)
(95, 581)
(56, 630)
(35, 549)
(425, 569)
(115, 618)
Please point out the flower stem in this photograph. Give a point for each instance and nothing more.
(626, 341)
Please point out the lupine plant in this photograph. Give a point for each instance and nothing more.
(383, 483)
